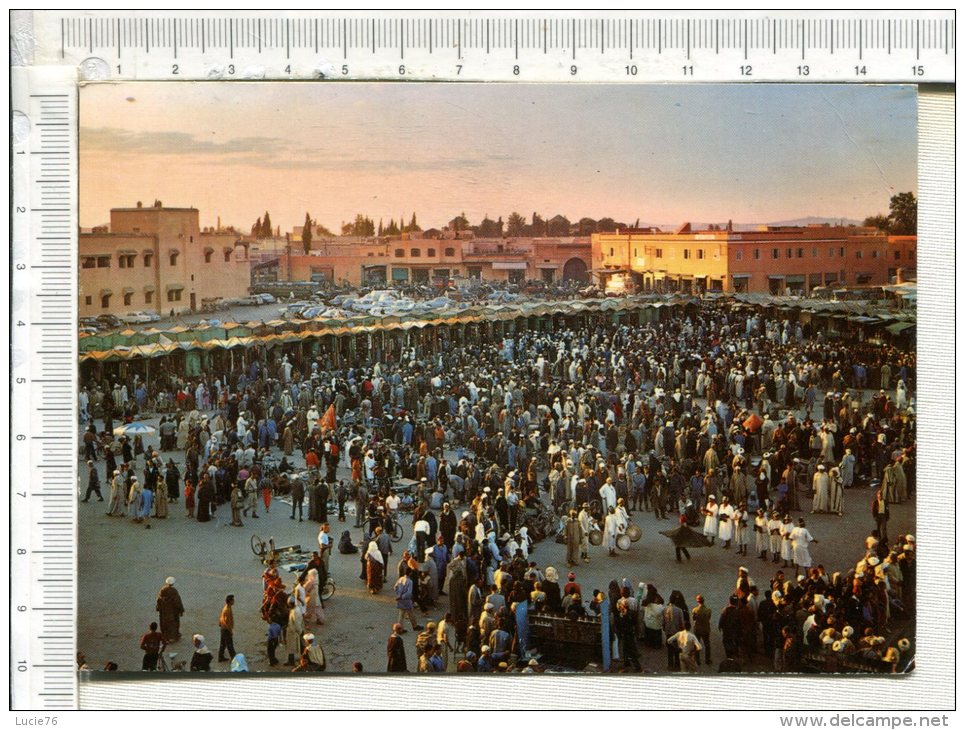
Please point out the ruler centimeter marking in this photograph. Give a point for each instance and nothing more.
(780, 46)
(43, 436)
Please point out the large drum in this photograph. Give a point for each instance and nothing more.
(596, 537)
(623, 542)
(634, 532)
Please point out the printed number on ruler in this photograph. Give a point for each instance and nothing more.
(855, 47)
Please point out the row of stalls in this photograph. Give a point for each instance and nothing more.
(888, 321)
(361, 339)
(349, 341)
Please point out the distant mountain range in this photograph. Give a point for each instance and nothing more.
(817, 220)
(810, 220)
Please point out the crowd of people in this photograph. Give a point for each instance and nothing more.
(711, 418)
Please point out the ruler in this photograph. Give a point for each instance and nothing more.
(611, 47)
(53, 50)
(43, 393)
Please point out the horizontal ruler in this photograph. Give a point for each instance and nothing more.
(632, 47)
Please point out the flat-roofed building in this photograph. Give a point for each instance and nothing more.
(158, 259)
(769, 259)
(409, 259)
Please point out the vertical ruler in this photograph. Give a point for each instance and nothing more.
(43, 491)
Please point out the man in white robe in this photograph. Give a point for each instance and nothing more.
(608, 495)
(587, 524)
(827, 445)
(710, 518)
(725, 524)
(774, 536)
(836, 492)
(800, 540)
(613, 527)
(822, 491)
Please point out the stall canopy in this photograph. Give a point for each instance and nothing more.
(130, 344)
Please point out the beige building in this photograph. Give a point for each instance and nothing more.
(158, 259)
(769, 259)
(407, 259)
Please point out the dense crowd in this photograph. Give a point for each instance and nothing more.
(722, 419)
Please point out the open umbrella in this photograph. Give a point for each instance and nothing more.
(135, 429)
(685, 537)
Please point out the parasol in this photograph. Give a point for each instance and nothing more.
(683, 536)
(135, 429)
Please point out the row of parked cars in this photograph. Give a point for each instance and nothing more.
(255, 300)
(101, 322)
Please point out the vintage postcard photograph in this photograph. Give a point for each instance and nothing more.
(497, 378)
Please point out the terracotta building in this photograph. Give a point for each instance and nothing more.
(770, 259)
(422, 260)
(158, 259)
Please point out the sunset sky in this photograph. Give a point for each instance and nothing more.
(663, 154)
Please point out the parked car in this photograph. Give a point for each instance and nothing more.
(109, 321)
(139, 317)
(266, 298)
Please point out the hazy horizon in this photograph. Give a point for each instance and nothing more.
(663, 154)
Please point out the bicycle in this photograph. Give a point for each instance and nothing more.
(267, 550)
(270, 554)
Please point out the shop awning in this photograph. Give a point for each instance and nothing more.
(150, 287)
(546, 266)
(795, 279)
(106, 292)
(510, 265)
(208, 249)
(128, 290)
(899, 327)
(174, 287)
